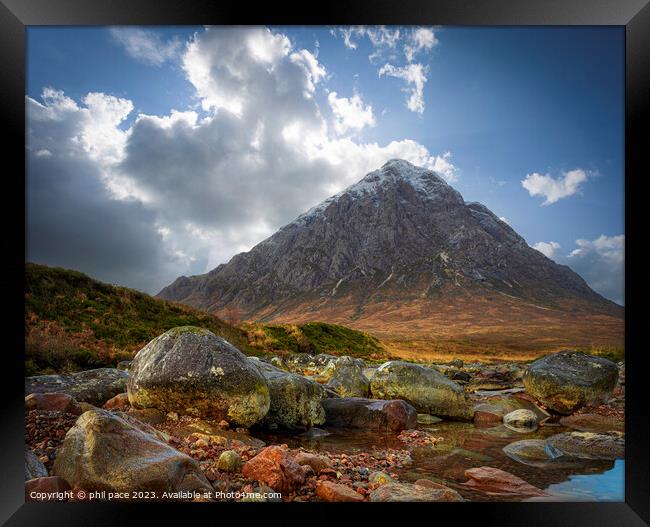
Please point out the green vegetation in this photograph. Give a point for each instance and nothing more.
(314, 337)
(73, 322)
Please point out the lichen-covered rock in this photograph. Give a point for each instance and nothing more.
(396, 492)
(348, 379)
(295, 400)
(569, 380)
(229, 461)
(521, 420)
(90, 386)
(589, 445)
(104, 451)
(191, 371)
(369, 414)
(428, 390)
(34, 468)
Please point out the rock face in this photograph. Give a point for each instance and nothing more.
(191, 371)
(589, 445)
(348, 379)
(295, 400)
(569, 380)
(103, 451)
(91, 386)
(429, 391)
(399, 235)
(275, 467)
(395, 492)
(369, 414)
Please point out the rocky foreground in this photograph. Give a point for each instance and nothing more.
(193, 419)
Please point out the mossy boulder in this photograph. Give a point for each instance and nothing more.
(566, 381)
(348, 379)
(295, 400)
(191, 371)
(105, 451)
(428, 390)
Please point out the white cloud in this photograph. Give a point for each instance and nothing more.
(421, 39)
(415, 77)
(548, 249)
(350, 113)
(200, 189)
(146, 46)
(600, 262)
(554, 189)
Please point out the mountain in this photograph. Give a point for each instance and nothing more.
(401, 254)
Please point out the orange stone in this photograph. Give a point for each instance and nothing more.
(334, 492)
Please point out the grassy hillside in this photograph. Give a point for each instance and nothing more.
(314, 337)
(73, 322)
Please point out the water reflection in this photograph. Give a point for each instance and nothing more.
(466, 446)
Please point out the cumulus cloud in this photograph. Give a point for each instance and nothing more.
(548, 249)
(554, 189)
(415, 77)
(146, 46)
(350, 113)
(180, 193)
(601, 262)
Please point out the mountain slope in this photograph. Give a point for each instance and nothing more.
(392, 254)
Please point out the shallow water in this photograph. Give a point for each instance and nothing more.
(465, 445)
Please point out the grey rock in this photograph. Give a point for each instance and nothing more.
(568, 380)
(34, 468)
(369, 414)
(191, 371)
(91, 386)
(347, 378)
(428, 390)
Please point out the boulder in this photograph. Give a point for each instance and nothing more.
(395, 492)
(335, 492)
(428, 390)
(494, 408)
(589, 445)
(532, 452)
(295, 400)
(105, 451)
(190, 370)
(34, 468)
(521, 421)
(569, 380)
(59, 402)
(347, 378)
(90, 386)
(369, 414)
(275, 467)
(593, 423)
(498, 482)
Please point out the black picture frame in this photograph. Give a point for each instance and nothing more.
(15, 15)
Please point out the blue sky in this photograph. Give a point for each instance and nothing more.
(528, 121)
